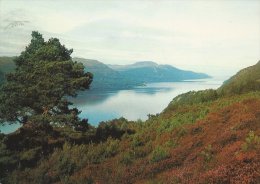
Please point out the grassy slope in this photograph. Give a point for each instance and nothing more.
(245, 80)
(201, 137)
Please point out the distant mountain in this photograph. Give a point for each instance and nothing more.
(247, 79)
(6, 65)
(110, 77)
(140, 64)
(148, 71)
(106, 78)
(100, 70)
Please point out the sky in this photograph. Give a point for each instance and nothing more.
(217, 37)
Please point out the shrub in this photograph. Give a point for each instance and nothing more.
(111, 147)
(30, 154)
(159, 153)
(252, 142)
(126, 158)
(171, 144)
(137, 141)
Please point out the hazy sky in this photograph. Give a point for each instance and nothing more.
(216, 37)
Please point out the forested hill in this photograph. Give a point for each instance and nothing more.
(111, 77)
(106, 78)
(127, 76)
(209, 136)
(148, 71)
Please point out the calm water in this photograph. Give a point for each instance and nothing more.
(132, 104)
(136, 103)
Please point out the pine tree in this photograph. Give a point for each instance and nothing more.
(44, 78)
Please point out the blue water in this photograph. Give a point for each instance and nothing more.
(7, 128)
(136, 103)
(132, 104)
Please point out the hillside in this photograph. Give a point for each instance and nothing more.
(106, 78)
(245, 80)
(201, 137)
(148, 71)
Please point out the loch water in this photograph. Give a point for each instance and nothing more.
(132, 104)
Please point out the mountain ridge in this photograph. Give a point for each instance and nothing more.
(113, 77)
(153, 72)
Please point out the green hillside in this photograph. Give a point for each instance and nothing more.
(244, 81)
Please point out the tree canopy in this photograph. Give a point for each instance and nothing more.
(1, 77)
(44, 78)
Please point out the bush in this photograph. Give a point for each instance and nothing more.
(29, 154)
(252, 142)
(171, 144)
(159, 153)
(127, 158)
(137, 141)
(111, 147)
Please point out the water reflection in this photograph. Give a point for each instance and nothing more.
(136, 103)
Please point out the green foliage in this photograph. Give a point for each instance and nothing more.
(71, 158)
(244, 81)
(114, 128)
(252, 142)
(171, 144)
(186, 108)
(182, 117)
(7, 160)
(29, 154)
(126, 158)
(158, 154)
(137, 141)
(195, 97)
(2, 78)
(44, 77)
(111, 147)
